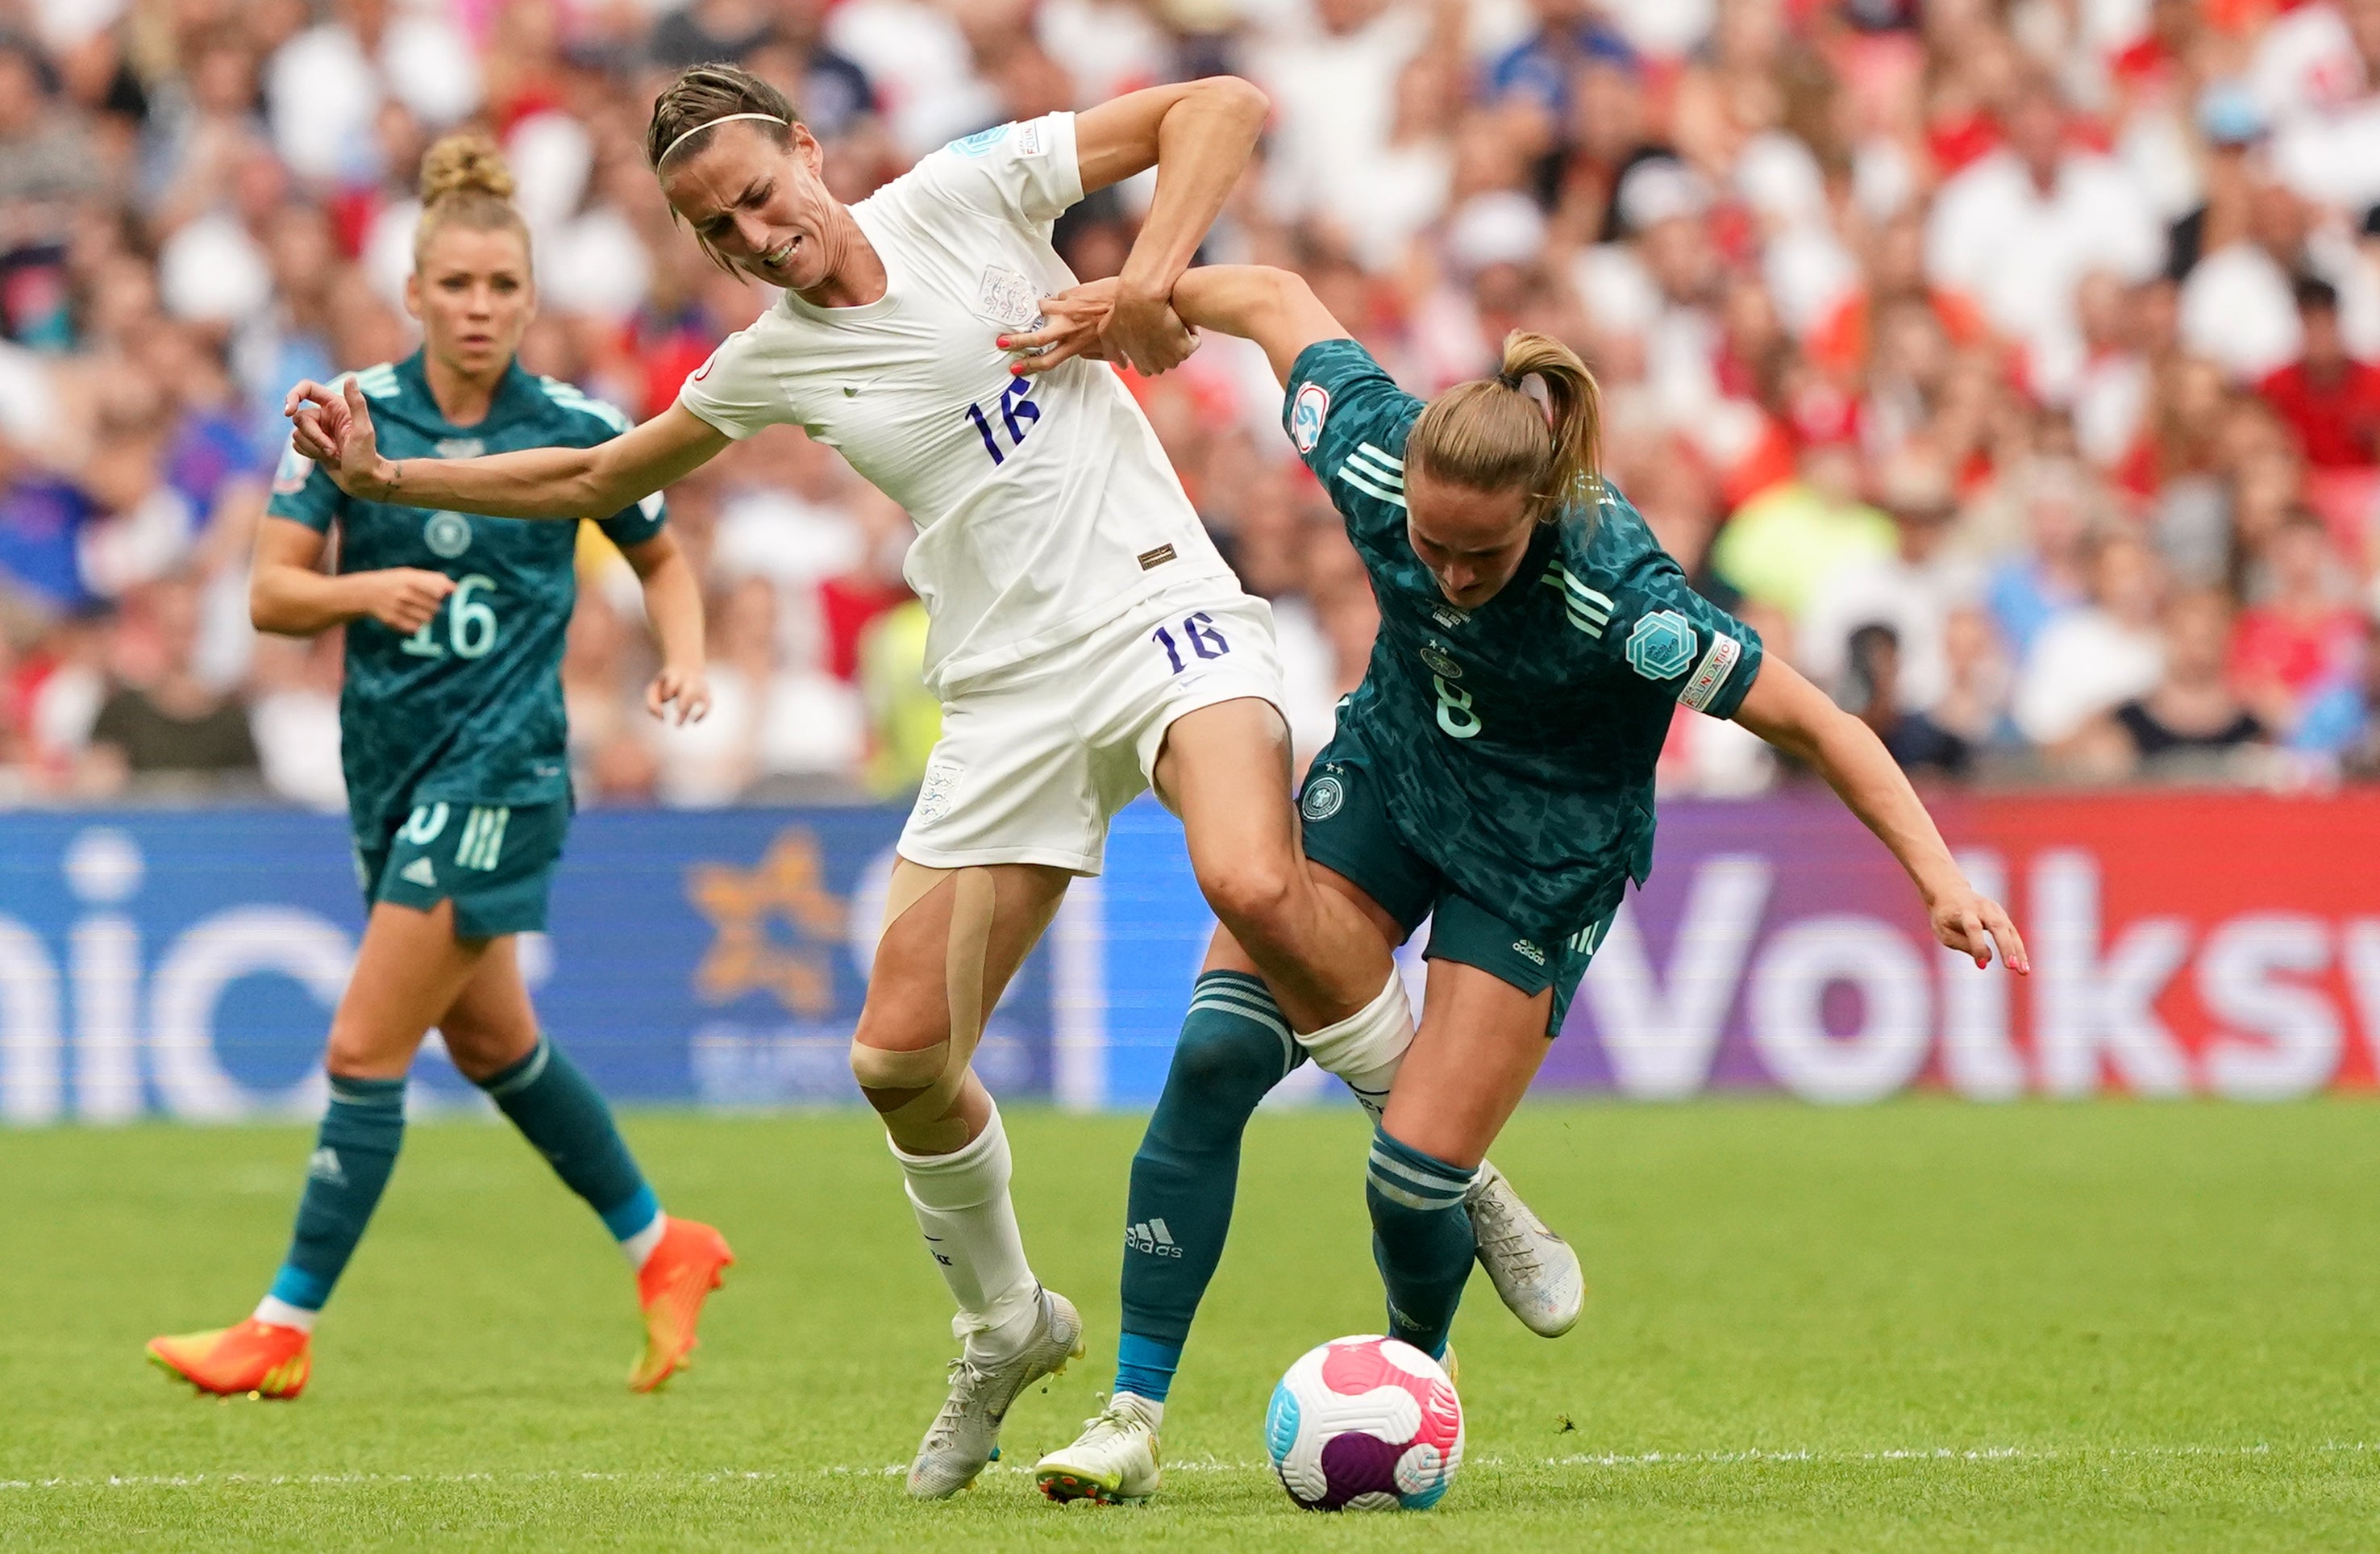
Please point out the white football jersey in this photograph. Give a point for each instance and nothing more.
(1045, 506)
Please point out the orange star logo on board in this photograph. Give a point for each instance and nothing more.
(787, 886)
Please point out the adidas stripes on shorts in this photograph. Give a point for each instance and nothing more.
(494, 862)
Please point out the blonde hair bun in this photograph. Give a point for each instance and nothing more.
(463, 163)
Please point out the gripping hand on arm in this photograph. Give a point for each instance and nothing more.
(1198, 135)
(1273, 308)
(1788, 712)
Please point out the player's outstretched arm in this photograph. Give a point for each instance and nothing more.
(334, 427)
(1198, 135)
(1792, 714)
(1274, 308)
(289, 595)
(674, 605)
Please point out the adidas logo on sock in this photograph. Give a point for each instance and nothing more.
(323, 1166)
(1150, 1236)
(419, 873)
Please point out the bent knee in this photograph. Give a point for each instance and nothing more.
(898, 1074)
(1243, 1062)
(1251, 897)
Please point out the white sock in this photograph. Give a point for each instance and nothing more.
(281, 1313)
(639, 1247)
(1367, 1048)
(1148, 1410)
(970, 1227)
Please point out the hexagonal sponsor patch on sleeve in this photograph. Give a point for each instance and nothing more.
(1661, 645)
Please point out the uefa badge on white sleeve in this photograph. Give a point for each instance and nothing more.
(1307, 414)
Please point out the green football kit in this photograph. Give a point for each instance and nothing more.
(453, 737)
(1493, 770)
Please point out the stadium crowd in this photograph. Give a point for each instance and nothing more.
(2012, 365)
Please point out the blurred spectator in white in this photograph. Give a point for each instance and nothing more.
(1333, 86)
(2236, 307)
(324, 86)
(2090, 659)
(2110, 391)
(2022, 225)
(1912, 591)
(294, 719)
(916, 57)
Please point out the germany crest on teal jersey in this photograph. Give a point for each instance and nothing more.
(468, 708)
(1519, 738)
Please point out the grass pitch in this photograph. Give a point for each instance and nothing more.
(1919, 1326)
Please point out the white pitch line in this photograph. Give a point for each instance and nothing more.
(1934, 1454)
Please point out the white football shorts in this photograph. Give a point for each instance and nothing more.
(1035, 759)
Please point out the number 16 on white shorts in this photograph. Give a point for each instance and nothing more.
(1035, 759)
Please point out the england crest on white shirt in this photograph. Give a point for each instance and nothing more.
(1008, 299)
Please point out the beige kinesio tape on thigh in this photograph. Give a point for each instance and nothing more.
(924, 1123)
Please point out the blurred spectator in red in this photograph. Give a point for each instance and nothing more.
(2304, 632)
(2329, 399)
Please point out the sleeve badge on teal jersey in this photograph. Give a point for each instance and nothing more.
(1661, 645)
(447, 534)
(1306, 413)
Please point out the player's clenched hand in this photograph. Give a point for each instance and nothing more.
(688, 688)
(1145, 331)
(404, 598)
(334, 427)
(1973, 923)
(1070, 326)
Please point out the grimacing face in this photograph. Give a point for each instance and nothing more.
(763, 209)
(474, 293)
(1473, 542)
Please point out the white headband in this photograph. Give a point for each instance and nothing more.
(713, 123)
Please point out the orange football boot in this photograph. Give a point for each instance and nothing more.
(258, 1358)
(672, 1286)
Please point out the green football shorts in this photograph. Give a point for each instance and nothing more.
(1347, 830)
(495, 863)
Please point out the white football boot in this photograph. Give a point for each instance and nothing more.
(1533, 1270)
(1113, 1462)
(965, 1436)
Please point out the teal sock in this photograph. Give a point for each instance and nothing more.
(1234, 1047)
(559, 1113)
(1421, 1239)
(353, 1151)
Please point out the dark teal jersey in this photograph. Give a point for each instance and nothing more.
(468, 708)
(1519, 737)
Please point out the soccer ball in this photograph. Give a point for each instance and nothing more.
(1365, 1424)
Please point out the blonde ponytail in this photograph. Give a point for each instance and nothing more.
(1489, 434)
(465, 183)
